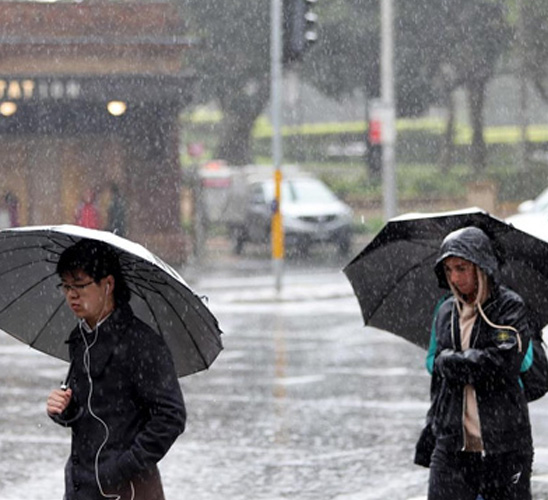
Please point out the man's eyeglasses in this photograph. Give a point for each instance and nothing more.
(66, 288)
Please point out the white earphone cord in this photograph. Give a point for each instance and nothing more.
(87, 366)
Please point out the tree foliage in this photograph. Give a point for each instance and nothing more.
(232, 66)
(440, 45)
(347, 55)
(474, 35)
(535, 30)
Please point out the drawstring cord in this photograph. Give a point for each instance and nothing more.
(480, 297)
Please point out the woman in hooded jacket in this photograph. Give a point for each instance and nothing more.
(479, 414)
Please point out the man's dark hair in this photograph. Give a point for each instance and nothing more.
(98, 260)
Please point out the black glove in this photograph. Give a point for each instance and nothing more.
(453, 366)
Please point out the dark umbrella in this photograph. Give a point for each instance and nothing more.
(34, 311)
(393, 277)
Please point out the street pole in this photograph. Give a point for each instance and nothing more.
(388, 102)
(522, 80)
(276, 103)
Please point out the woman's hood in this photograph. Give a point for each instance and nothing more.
(472, 244)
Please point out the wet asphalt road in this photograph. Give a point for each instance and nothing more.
(303, 403)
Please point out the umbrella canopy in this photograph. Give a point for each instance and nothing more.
(393, 276)
(34, 311)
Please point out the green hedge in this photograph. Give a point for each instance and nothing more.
(418, 152)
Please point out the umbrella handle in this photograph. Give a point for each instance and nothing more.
(65, 383)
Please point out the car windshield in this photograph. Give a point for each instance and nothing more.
(302, 191)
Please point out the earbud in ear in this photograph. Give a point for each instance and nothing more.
(108, 287)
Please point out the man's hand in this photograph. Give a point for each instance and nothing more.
(58, 400)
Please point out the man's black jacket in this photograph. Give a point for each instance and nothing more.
(134, 405)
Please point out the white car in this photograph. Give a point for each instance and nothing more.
(532, 216)
(311, 214)
(242, 199)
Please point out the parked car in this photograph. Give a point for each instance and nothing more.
(532, 216)
(311, 213)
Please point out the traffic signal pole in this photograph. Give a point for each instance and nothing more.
(291, 34)
(277, 236)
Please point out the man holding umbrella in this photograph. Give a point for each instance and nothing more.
(479, 412)
(122, 401)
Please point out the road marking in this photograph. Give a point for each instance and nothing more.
(308, 379)
(18, 438)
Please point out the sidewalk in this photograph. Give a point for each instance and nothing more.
(219, 257)
(250, 277)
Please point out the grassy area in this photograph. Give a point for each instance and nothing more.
(425, 187)
(413, 181)
(426, 181)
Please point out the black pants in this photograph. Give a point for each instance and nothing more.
(464, 476)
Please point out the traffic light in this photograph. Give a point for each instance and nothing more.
(299, 23)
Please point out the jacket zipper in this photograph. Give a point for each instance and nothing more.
(479, 423)
(462, 419)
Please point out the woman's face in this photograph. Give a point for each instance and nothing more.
(462, 275)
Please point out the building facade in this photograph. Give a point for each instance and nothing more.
(90, 96)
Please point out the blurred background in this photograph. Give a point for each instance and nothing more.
(155, 119)
(129, 105)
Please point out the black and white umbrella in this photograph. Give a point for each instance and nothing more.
(34, 311)
(393, 276)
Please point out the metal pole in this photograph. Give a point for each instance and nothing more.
(387, 96)
(276, 102)
(199, 215)
(522, 79)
